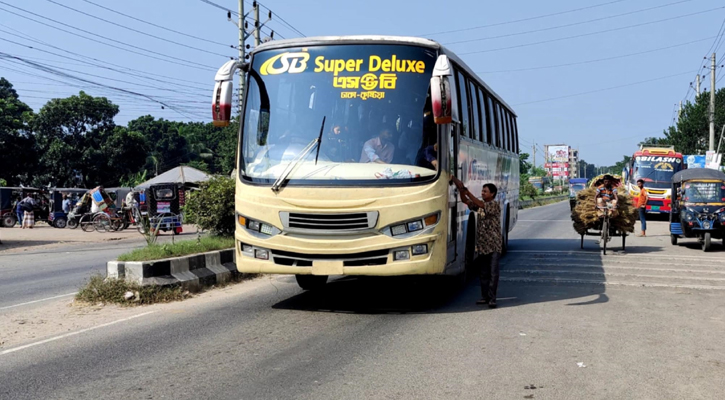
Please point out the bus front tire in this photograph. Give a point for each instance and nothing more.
(311, 282)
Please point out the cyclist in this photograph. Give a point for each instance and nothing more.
(606, 195)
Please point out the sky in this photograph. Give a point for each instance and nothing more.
(598, 75)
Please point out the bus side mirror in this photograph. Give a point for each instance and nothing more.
(440, 90)
(221, 106)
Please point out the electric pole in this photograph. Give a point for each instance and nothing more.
(697, 84)
(256, 25)
(534, 148)
(679, 111)
(242, 49)
(712, 103)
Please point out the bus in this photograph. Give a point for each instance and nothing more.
(655, 166)
(346, 147)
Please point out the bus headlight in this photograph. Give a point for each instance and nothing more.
(257, 226)
(412, 226)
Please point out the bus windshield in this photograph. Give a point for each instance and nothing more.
(704, 192)
(375, 106)
(656, 174)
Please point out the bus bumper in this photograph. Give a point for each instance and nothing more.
(373, 256)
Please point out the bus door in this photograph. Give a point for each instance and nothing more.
(454, 169)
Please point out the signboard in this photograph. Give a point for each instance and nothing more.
(556, 165)
(695, 161)
(558, 154)
(712, 160)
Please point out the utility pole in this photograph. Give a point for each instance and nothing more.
(712, 103)
(242, 50)
(256, 25)
(679, 111)
(697, 84)
(534, 149)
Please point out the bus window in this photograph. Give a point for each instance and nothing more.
(495, 136)
(485, 131)
(499, 125)
(463, 101)
(476, 123)
(509, 131)
(516, 133)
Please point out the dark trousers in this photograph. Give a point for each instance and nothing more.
(642, 213)
(489, 275)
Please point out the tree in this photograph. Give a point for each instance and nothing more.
(691, 133)
(212, 207)
(16, 140)
(524, 165)
(70, 134)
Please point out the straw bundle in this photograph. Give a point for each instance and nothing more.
(585, 214)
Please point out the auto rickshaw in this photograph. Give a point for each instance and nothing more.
(164, 207)
(8, 200)
(698, 206)
(57, 217)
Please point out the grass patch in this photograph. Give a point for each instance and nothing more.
(113, 291)
(178, 249)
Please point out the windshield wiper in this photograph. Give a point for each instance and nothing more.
(319, 139)
(294, 163)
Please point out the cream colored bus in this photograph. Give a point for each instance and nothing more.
(346, 146)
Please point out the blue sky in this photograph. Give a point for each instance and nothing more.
(563, 104)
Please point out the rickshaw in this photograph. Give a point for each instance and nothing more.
(611, 223)
(103, 219)
(8, 199)
(698, 206)
(57, 217)
(164, 207)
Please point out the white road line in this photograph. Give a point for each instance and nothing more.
(610, 283)
(593, 253)
(544, 220)
(8, 351)
(545, 272)
(38, 301)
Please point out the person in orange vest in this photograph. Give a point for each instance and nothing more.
(642, 199)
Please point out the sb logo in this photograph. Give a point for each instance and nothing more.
(369, 81)
(294, 63)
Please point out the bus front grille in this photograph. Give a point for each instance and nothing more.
(331, 223)
(377, 257)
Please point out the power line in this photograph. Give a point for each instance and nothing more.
(566, 25)
(283, 20)
(136, 30)
(69, 76)
(591, 33)
(596, 60)
(522, 20)
(103, 64)
(156, 25)
(604, 89)
(221, 7)
(156, 80)
(189, 64)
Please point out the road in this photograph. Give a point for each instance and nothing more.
(571, 324)
(48, 272)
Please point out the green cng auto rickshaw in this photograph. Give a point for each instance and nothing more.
(698, 206)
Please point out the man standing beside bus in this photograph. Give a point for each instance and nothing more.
(642, 199)
(489, 240)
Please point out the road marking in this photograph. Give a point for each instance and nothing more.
(593, 253)
(610, 283)
(38, 301)
(604, 273)
(8, 351)
(543, 220)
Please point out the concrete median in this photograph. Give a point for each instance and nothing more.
(191, 272)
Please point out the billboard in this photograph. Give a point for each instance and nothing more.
(556, 165)
(695, 161)
(557, 153)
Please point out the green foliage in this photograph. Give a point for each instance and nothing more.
(133, 180)
(3, 182)
(528, 190)
(692, 132)
(524, 165)
(112, 291)
(212, 207)
(178, 249)
(74, 141)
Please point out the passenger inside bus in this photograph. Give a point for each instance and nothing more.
(427, 156)
(379, 149)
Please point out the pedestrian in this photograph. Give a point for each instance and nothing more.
(489, 241)
(19, 210)
(28, 215)
(66, 203)
(642, 199)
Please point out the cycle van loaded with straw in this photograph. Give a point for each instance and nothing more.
(606, 221)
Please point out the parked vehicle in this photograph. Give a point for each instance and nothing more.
(698, 207)
(576, 185)
(57, 217)
(8, 201)
(164, 209)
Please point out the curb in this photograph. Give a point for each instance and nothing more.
(191, 272)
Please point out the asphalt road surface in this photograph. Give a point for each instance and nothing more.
(571, 324)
